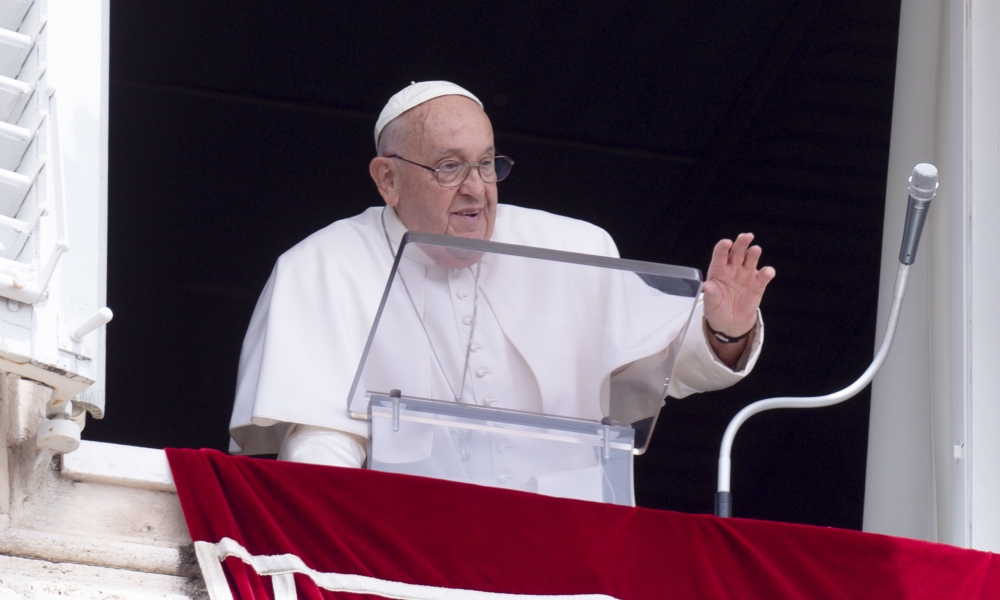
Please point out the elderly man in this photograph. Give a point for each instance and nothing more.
(437, 171)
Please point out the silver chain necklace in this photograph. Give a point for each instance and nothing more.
(472, 328)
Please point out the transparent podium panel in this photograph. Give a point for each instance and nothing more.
(553, 456)
(513, 330)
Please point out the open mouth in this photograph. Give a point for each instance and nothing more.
(468, 214)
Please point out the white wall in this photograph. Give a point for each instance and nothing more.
(983, 191)
(899, 489)
(934, 448)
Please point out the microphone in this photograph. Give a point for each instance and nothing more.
(923, 187)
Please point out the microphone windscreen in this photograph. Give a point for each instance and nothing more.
(924, 182)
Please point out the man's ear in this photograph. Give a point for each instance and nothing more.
(383, 172)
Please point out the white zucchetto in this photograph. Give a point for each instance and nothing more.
(414, 95)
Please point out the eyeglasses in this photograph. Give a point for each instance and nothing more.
(452, 173)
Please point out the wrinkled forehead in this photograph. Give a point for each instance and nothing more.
(447, 123)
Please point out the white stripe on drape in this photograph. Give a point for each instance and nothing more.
(284, 586)
(282, 567)
(211, 569)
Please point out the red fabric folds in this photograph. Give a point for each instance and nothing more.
(451, 535)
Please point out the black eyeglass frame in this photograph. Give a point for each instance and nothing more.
(468, 169)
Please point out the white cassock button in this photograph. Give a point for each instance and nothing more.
(501, 448)
(454, 272)
(505, 478)
(467, 320)
(461, 295)
(476, 347)
(491, 401)
(483, 372)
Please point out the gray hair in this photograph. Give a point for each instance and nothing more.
(393, 135)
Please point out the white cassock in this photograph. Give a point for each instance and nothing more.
(309, 329)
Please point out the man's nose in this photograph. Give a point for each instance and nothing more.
(473, 184)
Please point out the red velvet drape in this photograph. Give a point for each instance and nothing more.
(451, 535)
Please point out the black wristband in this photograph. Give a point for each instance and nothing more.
(725, 339)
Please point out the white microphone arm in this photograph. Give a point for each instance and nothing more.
(923, 186)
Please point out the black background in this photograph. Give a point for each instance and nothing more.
(238, 128)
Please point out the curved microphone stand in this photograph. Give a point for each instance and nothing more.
(923, 187)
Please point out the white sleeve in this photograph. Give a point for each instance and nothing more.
(698, 369)
(322, 446)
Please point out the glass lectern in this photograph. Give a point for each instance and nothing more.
(518, 367)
